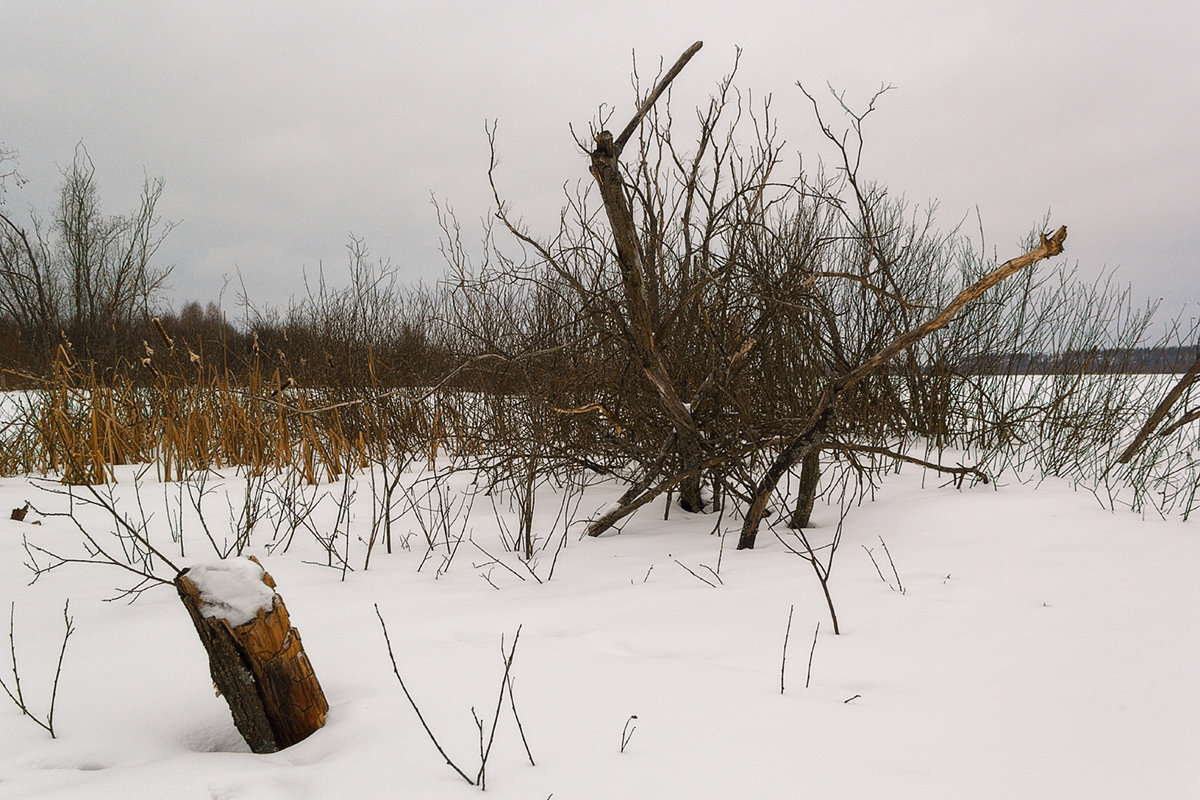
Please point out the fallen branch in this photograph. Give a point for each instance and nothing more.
(959, 471)
(1160, 412)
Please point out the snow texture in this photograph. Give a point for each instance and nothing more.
(1042, 647)
(231, 589)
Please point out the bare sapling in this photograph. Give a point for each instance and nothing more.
(486, 731)
(442, 515)
(812, 652)
(485, 750)
(821, 568)
(15, 692)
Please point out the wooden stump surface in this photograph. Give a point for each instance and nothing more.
(261, 669)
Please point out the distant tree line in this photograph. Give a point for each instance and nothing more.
(1148, 360)
(90, 282)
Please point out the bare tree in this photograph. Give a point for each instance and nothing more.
(741, 323)
(8, 170)
(85, 274)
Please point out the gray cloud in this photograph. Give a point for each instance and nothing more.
(281, 128)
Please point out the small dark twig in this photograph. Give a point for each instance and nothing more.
(692, 573)
(495, 560)
(786, 633)
(627, 731)
(811, 653)
(413, 703)
(893, 563)
(512, 701)
(715, 573)
(874, 563)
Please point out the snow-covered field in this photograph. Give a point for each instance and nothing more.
(1042, 647)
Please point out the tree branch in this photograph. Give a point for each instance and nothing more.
(652, 98)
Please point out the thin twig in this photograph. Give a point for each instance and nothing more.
(413, 703)
(512, 701)
(627, 732)
(808, 677)
(70, 628)
(481, 778)
(874, 563)
(899, 585)
(692, 573)
(786, 633)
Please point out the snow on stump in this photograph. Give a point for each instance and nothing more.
(254, 654)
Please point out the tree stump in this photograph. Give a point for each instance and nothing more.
(255, 656)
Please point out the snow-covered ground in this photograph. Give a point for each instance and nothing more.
(1043, 647)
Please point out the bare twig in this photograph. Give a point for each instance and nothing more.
(413, 703)
(808, 676)
(899, 584)
(786, 633)
(874, 563)
(481, 777)
(691, 572)
(15, 693)
(627, 731)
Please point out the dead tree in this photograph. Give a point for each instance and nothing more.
(730, 309)
(606, 169)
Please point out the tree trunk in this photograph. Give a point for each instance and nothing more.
(810, 439)
(606, 170)
(259, 666)
(810, 478)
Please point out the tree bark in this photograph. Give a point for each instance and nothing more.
(261, 669)
(810, 479)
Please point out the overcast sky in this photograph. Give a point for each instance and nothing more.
(280, 128)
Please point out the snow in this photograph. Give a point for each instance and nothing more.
(231, 589)
(1043, 647)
